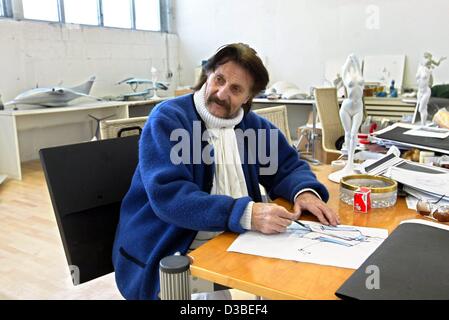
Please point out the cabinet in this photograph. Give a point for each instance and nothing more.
(391, 108)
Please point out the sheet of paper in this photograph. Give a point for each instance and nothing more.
(333, 248)
(434, 183)
(428, 132)
(415, 195)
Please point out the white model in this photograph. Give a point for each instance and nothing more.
(431, 64)
(351, 112)
(423, 77)
(54, 97)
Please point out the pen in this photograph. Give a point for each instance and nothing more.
(301, 224)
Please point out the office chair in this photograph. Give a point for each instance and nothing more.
(277, 116)
(87, 182)
(328, 112)
(115, 128)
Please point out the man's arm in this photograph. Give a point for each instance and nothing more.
(295, 182)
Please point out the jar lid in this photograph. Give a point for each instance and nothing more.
(376, 184)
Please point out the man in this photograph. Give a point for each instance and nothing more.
(175, 199)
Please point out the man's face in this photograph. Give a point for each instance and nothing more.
(227, 89)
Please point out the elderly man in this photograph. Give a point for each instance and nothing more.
(176, 200)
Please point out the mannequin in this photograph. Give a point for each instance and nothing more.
(351, 113)
(423, 77)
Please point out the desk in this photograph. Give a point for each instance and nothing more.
(142, 108)
(24, 132)
(282, 279)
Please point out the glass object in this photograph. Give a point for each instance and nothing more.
(433, 210)
(117, 13)
(41, 10)
(148, 15)
(383, 190)
(81, 11)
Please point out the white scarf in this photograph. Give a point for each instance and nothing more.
(229, 178)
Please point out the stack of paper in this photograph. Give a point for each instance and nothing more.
(406, 136)
(420, 182)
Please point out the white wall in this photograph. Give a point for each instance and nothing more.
(296, 38)
(47, 53)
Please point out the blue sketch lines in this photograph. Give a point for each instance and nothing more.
(318, 234)
(342, 246)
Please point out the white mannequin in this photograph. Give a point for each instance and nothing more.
(423, 80)
(351, 113)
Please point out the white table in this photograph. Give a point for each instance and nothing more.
(24, 132)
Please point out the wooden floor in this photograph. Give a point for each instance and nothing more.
(32, 260)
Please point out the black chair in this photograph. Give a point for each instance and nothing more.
(87, 183)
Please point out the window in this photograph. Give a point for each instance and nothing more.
(147, 15)
(128, 14)
(81, 11)
(41, 10)
(117, 13)
(2, 10)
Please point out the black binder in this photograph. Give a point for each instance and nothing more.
(413, 263)
(397, 134)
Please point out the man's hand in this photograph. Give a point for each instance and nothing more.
(270, 218)
(308, 201)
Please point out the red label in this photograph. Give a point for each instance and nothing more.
(362, 200)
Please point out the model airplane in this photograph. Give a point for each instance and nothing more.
(54, 97)
(134, 84)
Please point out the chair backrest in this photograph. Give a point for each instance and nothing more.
(277, 116)
(116, 128)
(328, 111)
(87, 183)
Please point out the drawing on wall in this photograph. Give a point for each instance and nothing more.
(341, 246)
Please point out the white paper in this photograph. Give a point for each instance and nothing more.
(298, 244)
(437, 184)
(411, 202)
(415, 195)
(428, 132)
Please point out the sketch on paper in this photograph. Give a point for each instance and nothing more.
(341, 246)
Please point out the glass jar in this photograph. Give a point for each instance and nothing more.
(383, 190)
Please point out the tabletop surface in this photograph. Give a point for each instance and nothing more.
(282, 279)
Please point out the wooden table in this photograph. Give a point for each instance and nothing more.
(282, 279)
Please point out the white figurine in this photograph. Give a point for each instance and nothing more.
(431, 64)
(423, 77)
(351, 113)
(154, 79)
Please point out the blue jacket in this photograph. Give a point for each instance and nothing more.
(167, 204)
